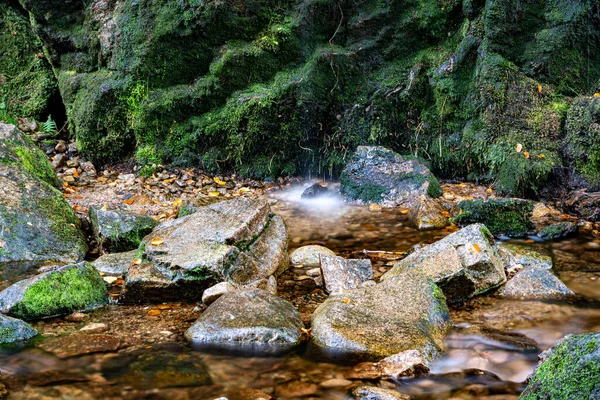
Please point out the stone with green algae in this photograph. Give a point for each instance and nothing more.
(13, 330)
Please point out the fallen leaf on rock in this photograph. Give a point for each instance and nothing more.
(105, 207)
(526, 154)
(168, 306)
(137, 261)
(177, 203)
(542, 156)
(128, 201)
(214, 194)
(219, 182)
(475, 248)
(539, 88)
(153, 313)
(119, 282)
(157, 241)
(110, 279)
(346, 300)
(596, 94)
(519, 147)
(404, 211)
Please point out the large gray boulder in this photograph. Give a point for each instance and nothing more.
(118, 230)
(250, 320)
(535, 282)
(379, 175)
(406, 312)
(37, 225)
(569, 370)
(238, 241)
(341, 274)
(13, 330)
(464, 264)
(57, 292)
(115, 263)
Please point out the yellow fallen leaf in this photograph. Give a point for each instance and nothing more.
(596, 94)
(128, 201)
(214, 194)
(539, 88)
(519, 147)
(542, 156)
(157, 241)
(177, 203)
(526, 154)
(137, 261)
(245, 189)
(475, 248)
(219, 182)
(404, 211)
(110, 279)
(105, 207)
(346, 300)
(153, 312)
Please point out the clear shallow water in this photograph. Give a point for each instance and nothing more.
(491, 351)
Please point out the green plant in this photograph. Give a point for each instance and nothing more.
(49, 126)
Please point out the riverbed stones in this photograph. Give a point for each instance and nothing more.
(558, 231)
(250, 320)
(406, 312)
(309, 256)
(509, 217)
(120, 231)
(376, 393)
(379, 175)
(464, 264)
(115, 264)
(528, 255)
(406, 364)
(535, 282)
(13, 330)
(340, 274)
(569, 370)
(58, 292)
(238, 241)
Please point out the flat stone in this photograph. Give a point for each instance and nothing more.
(214, 292)
(248, 320)
(406, 312)
(120, 231)
(534, 282)
(464, 263)
(79, 344)
(558, 231)
(115, 264)
(340, 274)
(335, 383)
(375, 393)
(94, 327)
(309, 256)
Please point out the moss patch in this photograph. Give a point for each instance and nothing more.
(509, 217)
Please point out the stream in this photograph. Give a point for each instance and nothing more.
(490, 352)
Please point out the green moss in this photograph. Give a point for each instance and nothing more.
(570, 372)
(509, 217)
(62, 292)
(36, 163)
(367, 193)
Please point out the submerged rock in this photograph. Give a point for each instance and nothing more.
(57, 292)
(37, 225)
(115, 263)
(407, 364)
(406, 312)
(569, 370)
(250, 320)
(13, 330)
(340, 274)
(510, 217)
(118, 230)
(464, 264)
(427, 213)
(527, 255)
(238, 241)
(535, 282)
(558, 231)
(376, 393)
(309, 256)
(315, 191)
(379, 175)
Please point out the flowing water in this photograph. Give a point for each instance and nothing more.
(490, 352)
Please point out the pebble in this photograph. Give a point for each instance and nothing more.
(95, 327)
(334, 383)
(76, 317)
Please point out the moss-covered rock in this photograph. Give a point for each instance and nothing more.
(14, 331)
(510, 217)
(558, 230)
(120, 231)
(58, 292)
(569, 370)
(28, 87)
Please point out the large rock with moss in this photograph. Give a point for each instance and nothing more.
(463, 264)
(250, 320)
(535, 282)
(57, 292)
(569, 370)
(37, 224)
(238, 240)
(510, 217)
(14, 331)
(120, 231)
(406, 312)
(379, 175)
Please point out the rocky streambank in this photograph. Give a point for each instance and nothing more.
(211, 261)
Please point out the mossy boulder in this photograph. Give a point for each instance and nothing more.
(569, 370)
(28, 87)
(237, 240)
(535, 282)
(39, 226)
(558, 231)
(120, 231)
(510, 217)
(14, 331)
(463, 264)
(406, 312)
(379, 175)
(57, 292)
